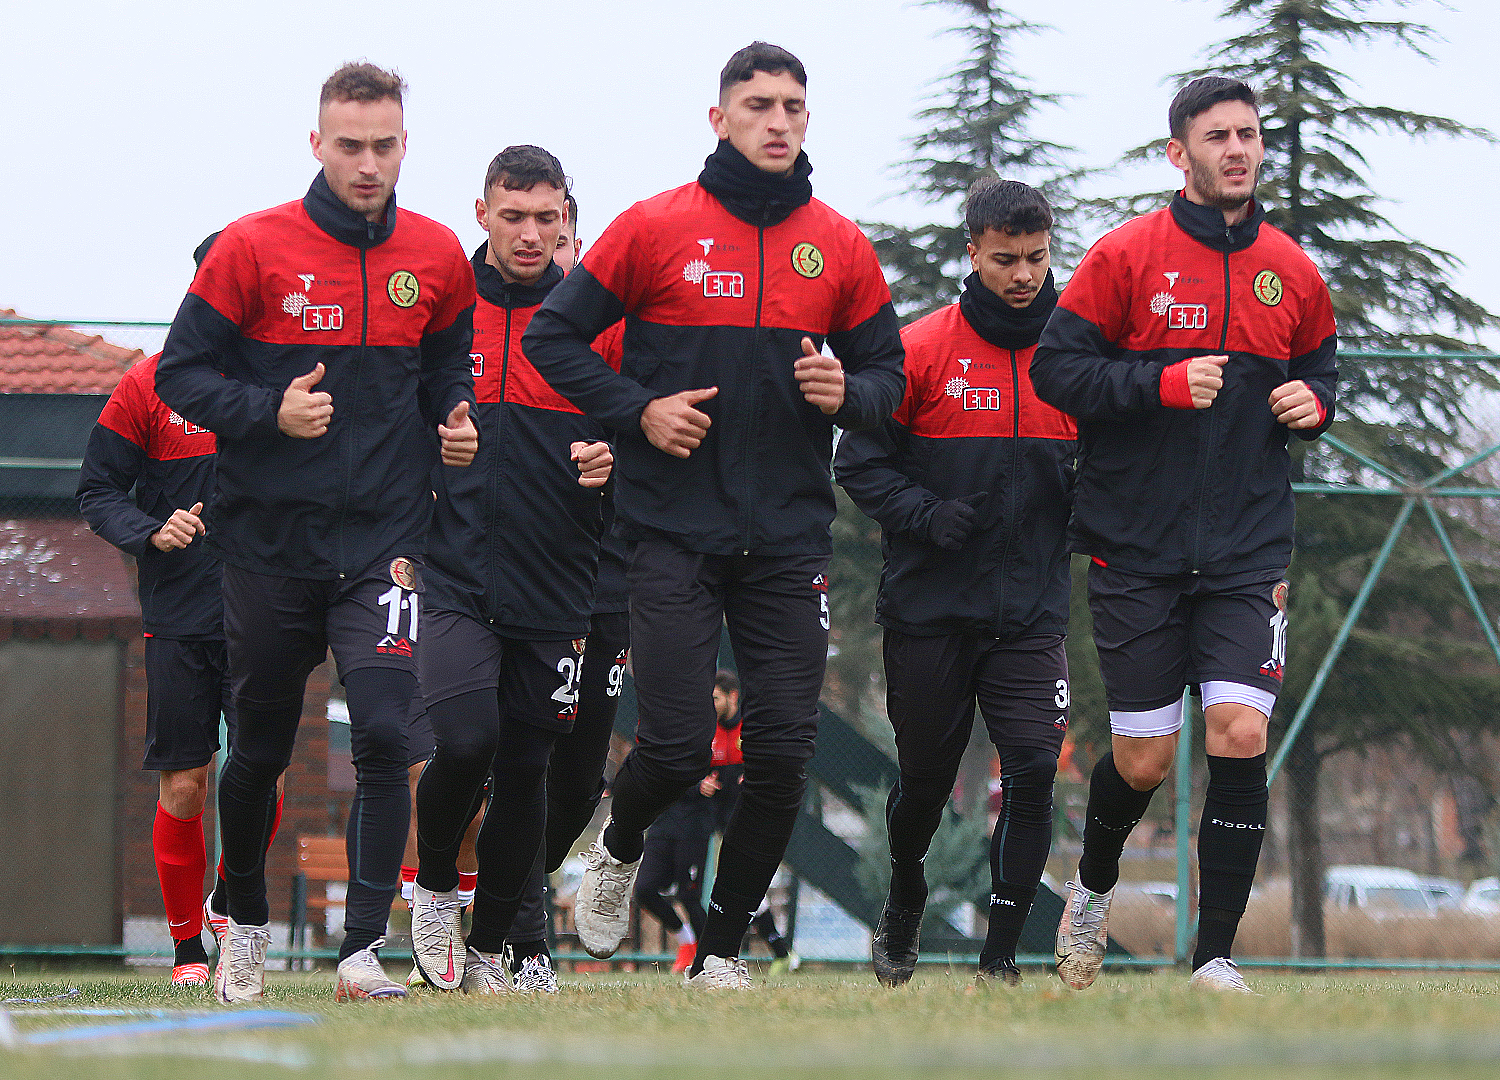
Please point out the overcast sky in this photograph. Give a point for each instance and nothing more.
(136, 129)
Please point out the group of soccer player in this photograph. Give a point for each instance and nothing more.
(482, 482)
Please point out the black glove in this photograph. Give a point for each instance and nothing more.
(953, 521)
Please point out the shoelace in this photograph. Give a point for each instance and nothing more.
(367, 963)
(609, 897)
(486, 970)
(735, 974)
(535, 975)
(1227, 971)
(448, 911)
(246, 953)
(1086, 920)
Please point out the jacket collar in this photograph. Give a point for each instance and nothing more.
(346, 226)
(508, 294)
(750, 193)
(1206, 225)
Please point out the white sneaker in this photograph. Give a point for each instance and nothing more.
(241, 973)
(602, 910)
(722, 973)
(361, 976)
(485, 974)
(1221, 975)
(1082, 935)
(437, 936)
(217, 924)
(536, 976)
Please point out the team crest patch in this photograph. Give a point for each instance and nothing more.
(807, 260)
(1267, 288)
(403, 289)
(1279, 595)
(578, 644)
(404, 573)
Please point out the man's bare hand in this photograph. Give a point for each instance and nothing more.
(673, 424)
(1295, 405)
(821, 378)
(594, 462)
(708, 785)
(180, 530)
(304, 412)
(1205, 377)
(459, 436)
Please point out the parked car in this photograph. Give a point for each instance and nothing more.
(1483, 897)
(1381, 890)
(1446, 893)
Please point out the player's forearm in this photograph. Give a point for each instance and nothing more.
(558, 342)
(1319, 370)
(447, 370)
(111, 465)
(865, 467)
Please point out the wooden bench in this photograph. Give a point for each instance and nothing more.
(321, 859)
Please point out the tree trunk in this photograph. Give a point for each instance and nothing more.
(1305, 848)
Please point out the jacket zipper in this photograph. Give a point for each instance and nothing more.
(359, 367)
(492, 588)
(760, 294)
(1010, 505)
(1210, 424)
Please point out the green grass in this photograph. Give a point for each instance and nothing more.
(823, 1025)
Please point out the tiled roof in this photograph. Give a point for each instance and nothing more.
(52, 568)
(49, 359)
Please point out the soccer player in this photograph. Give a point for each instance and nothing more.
(513, 557)
(326, 343)
(141, 444)
(1190, 344)
(723, 411)
(970, 481)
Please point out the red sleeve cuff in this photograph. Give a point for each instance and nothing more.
(1174, 387)
(1322, 411)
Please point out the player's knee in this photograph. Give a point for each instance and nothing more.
(182, 792)
(1146, 769)
(1027, 775)
(916, 794)
(775, 780)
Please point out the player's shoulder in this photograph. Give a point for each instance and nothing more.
(424, 229)
(933, 329)
(142, 374)
(835, 225)
(253, 226)
(670, 205)
(1139, 229)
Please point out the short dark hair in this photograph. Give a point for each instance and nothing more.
(727, 681)
(760, 56)
(1203, 94)
(359, 80)
(1007, 206)
(521, 168)
(572, 205)
(201, 251)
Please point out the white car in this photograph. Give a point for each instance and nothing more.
(1483, 897)
(1380, 890)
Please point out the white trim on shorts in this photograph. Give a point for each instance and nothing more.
(1219, 691)
(1150, 724)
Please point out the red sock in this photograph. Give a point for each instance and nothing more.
(180, 864)
(467, 883)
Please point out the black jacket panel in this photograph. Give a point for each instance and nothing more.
(1164, 488)
(387, 309)
(141, 444)
(712, 301)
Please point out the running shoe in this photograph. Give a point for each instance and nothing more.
(241, 972)
(1222, 976)
(721, 973)
(485, 974)
(687, 952)
(893, 949)
(361, 976)
(217, 924)
(535, 976)
(601, 911)
(1082, 934)
(437, 936)
(785, 965)
(190, 975)
(1000, 973)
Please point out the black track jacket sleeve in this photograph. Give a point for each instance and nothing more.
(871, 354)
(111, 466)
(559, 341)
(867, 467)
(1319, 370)
(447, 371)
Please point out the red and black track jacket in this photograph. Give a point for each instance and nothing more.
(388, 309)
(515, 536)
(140, 443)
(611, 593)
(1164, 488)
(710, 299)
(970, 422)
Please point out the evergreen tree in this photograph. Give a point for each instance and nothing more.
(975, 125)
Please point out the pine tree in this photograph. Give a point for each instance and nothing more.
(975, 125)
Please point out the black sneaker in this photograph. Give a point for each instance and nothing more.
(893, 949)
(1003, 972)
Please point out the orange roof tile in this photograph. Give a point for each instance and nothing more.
(46, 358)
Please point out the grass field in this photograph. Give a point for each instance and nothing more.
(824, 1025)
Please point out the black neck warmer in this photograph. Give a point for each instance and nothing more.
(1206, 225)
(752, 194)
(999, 323)
(510, 294)
(347, 226)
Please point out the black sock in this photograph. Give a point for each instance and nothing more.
(189, 950)
(1229, 839)
(1216, 929)
(1009, 906)
(1115, 808)
(522, 951)
(724, 929)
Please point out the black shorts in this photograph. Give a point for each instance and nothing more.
(537, 680)
(1158, 635)
(420, 740)
(280, 628)
(187, 687)
(933, 684)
